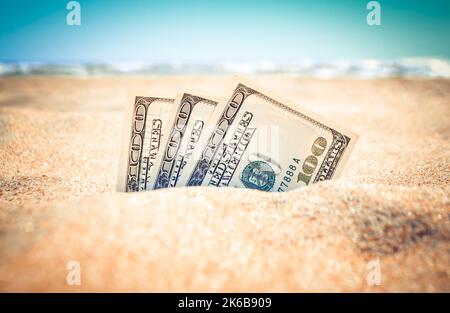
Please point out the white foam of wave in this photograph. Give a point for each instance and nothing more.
(369, 68)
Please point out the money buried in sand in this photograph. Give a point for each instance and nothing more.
(250, 138)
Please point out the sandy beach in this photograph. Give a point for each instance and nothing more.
(59, 143)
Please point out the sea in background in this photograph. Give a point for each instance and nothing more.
(365, 69)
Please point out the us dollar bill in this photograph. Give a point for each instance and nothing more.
(143, 133)
(184, 134)
(261, 140)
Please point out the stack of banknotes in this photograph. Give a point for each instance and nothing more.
(248, 138)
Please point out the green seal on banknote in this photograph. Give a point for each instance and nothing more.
(258, 175)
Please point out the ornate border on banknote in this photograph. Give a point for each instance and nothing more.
(178, 128)
(134, 165)
(241, 92)
(334, 154)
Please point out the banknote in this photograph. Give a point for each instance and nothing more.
(184, 134)
(263, 141)
(143, 132)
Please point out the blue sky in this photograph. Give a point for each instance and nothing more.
(197, 30)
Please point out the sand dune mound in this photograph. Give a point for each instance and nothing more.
(200, 239)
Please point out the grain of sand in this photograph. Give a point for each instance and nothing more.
(58, 158)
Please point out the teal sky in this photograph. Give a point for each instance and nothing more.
(197, 30)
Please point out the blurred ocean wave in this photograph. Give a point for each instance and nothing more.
(370, 68)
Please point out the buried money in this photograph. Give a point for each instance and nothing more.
(227, 147)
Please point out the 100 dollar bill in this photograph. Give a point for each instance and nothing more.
(263, 141)
(143, 132)
(188, 117)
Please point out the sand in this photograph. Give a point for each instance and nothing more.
(59, 142)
